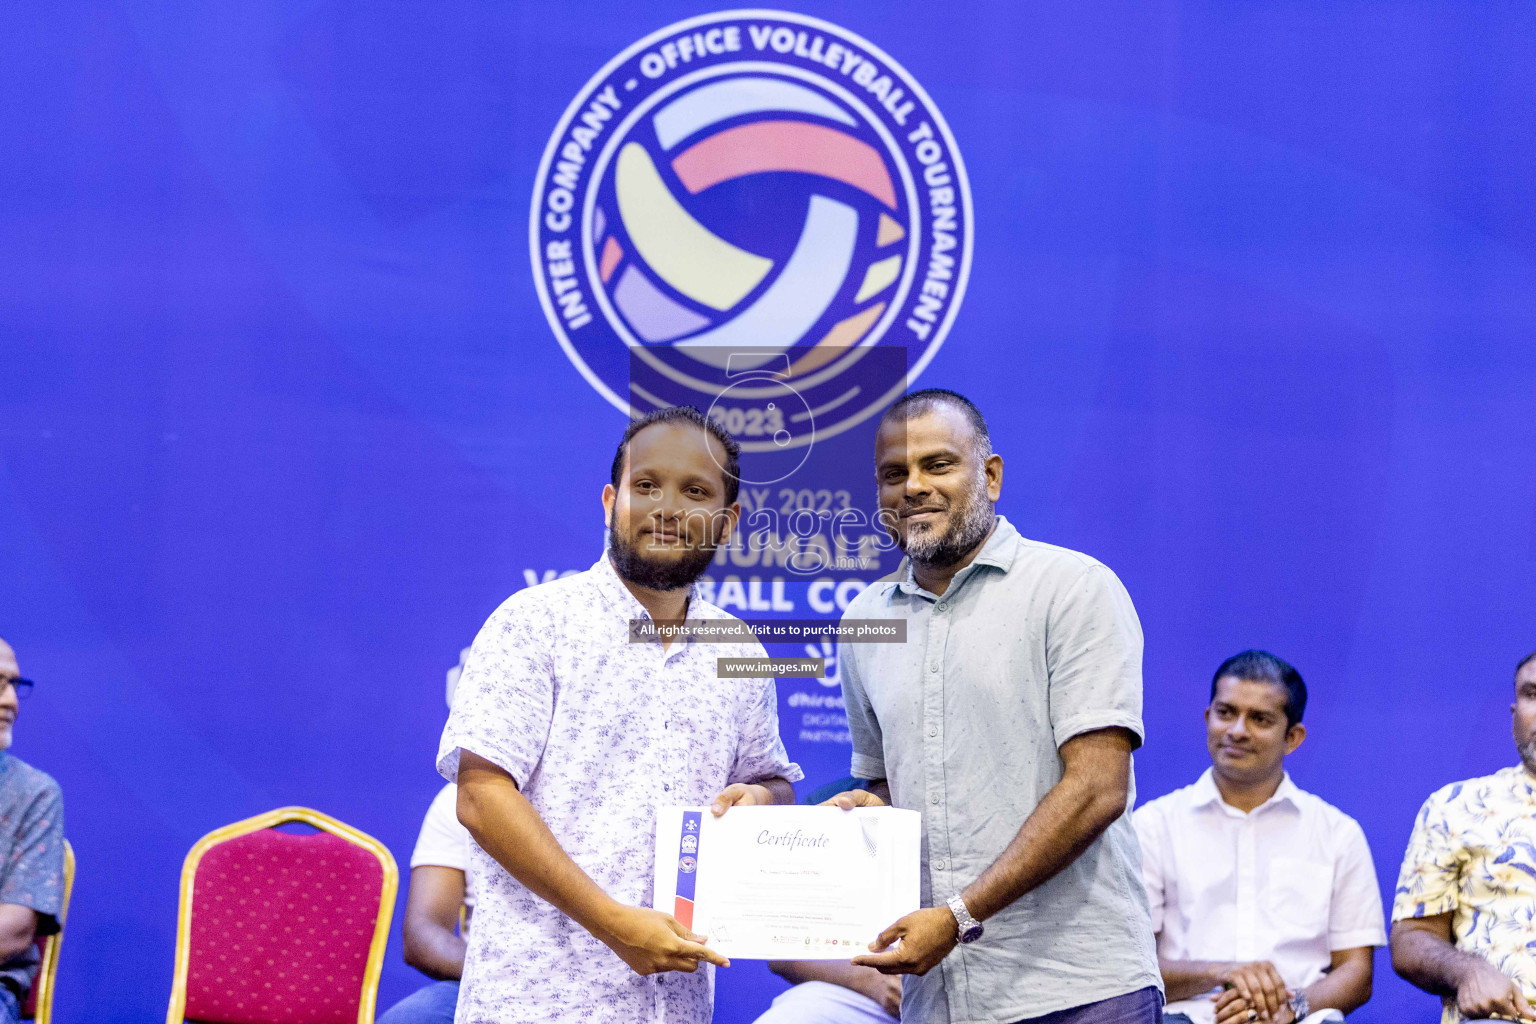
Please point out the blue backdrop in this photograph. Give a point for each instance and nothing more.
(281, 419)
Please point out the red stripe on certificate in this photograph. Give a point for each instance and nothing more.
(682, 909)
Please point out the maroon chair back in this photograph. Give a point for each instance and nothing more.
(283, 929)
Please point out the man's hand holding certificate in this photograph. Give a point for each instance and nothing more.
(786, 882)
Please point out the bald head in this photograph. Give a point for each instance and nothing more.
(8, 666)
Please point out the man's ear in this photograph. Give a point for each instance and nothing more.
(1293, 737)
(732, 514)
(994, 470)
(609, 497)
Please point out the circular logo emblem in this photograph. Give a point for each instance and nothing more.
(687, 865)
(736, 211)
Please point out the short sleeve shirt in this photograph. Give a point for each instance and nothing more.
(32, 845)
(1030, 646)
(442, 841)
(1290, 882)
(1472, 855)
(598, 732)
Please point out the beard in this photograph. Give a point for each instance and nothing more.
(971, 518)
(1528, 754)
(655, 573)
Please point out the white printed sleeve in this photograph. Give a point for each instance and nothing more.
(505, 699)
(760, 752)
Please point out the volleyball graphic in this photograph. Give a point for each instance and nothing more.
(736, 211)
(743, 214)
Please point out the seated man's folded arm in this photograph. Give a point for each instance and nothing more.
(1186, 979)
(866, 981)
(1423, 954)
(1347, 985)
(432, 904)
(18, 929)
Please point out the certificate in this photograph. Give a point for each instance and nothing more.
(787, 883)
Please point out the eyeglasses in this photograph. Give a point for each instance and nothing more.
(22, 686)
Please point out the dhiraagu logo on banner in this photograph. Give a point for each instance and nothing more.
(736, 211)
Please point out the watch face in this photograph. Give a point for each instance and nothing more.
(972, 933)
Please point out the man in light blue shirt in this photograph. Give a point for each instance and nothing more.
(1007, 719)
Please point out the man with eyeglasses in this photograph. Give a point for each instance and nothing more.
(31, 851)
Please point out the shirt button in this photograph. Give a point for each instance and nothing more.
(933, 730)
(943, 606)
(935, 800)
(933, 668)
(938, 865)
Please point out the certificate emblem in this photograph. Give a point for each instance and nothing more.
(687, 865)
(690, 844)
(750, 190)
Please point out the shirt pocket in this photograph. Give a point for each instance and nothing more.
(1300, 893)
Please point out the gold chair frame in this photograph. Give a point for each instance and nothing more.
(176, 1013)
(48, 970)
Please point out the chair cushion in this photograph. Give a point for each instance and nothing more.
(281, 927)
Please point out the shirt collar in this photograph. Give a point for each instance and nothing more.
(1521, 783)
(1205, 794)
(999, 552)
(623, 599)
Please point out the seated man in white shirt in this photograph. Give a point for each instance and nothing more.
(439, 891)
(833, 992)
(1263, 897)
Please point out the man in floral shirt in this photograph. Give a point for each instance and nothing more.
(565, 737)
(1464, 919)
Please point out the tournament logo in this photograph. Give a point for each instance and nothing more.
(736, 210)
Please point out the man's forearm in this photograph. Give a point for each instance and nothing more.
(1346, 988)
(1076, 811)
(1430, 962)
(435, 952)
(782, 790)
(1185, 979)
(833, 972)
(507, 827)
(18, 929)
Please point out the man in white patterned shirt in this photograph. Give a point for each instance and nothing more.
(565, 737)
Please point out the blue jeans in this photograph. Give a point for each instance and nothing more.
(431, 1005)
(1144, 1006)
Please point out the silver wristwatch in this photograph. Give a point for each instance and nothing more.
(1299, 1007)
(970, 928)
